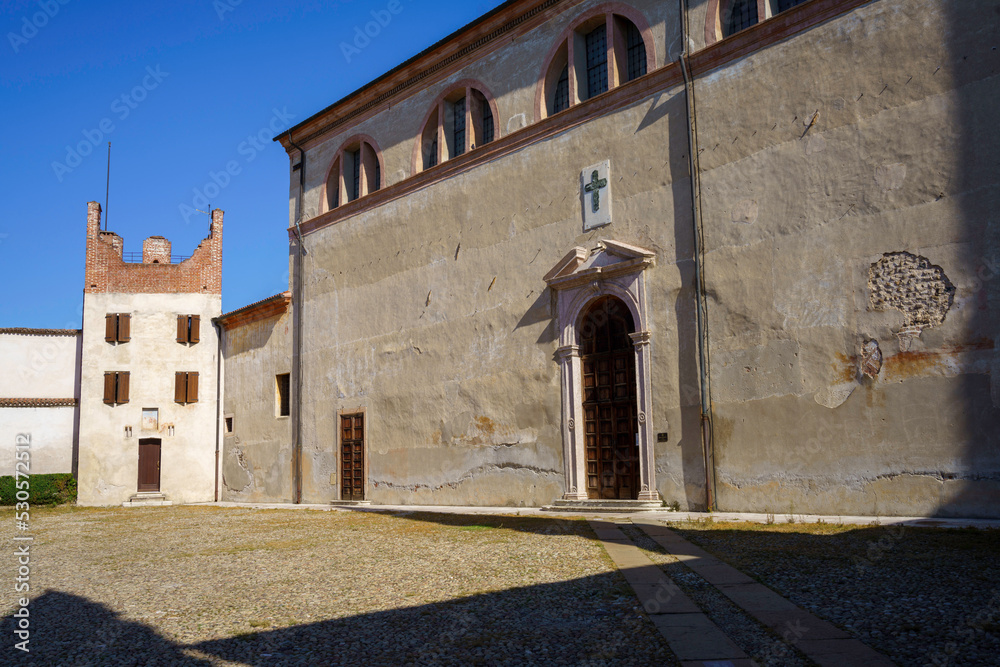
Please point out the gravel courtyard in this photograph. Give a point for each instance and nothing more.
(210, 586)
(231, 586)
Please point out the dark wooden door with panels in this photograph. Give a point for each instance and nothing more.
(149, 465)
(352, 456)
(609, 401)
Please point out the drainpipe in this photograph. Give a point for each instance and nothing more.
(708, 444)
(218, 402)
(297, 302)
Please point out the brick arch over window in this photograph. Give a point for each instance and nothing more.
(720, 21)
(462, 118)
(563, 80)
(357, 169)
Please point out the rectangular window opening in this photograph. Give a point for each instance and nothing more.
(229, 424)
(188, 329)
(284, 382)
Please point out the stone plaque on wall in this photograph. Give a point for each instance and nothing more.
(595, 191)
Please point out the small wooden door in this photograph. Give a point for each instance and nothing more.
(149, 465)
(352, 457)
(609, 401)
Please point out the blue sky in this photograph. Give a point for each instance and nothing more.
(180, 89)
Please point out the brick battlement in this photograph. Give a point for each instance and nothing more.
(106, 271)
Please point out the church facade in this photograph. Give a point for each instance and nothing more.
(724, 254)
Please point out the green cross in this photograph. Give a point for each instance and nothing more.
(594, 187)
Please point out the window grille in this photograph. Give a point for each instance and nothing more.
(788, 4)
(597, 61)
(356, 183)
(432, 159)
(459, 110)
(488, 127)
(742, 15)
(636, 52)
(560, 101)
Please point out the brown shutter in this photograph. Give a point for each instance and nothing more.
(124, 328)
(109, 388)
(182, 328)
(180, 387)
(195, 328)
(123, 387)
(192, 388)
(110, 328)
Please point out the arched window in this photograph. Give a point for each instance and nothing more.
(728, 17)
(604, 48)
(461, 120)
(356, 171)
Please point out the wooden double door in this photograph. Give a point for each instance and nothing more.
(609, 401)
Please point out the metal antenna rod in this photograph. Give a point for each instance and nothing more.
(107, 189)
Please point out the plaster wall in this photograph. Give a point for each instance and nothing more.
(39, 366)
(863, 136)
(51, 436)
(108, 471)
(431, 314)
(256, 464)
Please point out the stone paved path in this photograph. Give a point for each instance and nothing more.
(692, 636)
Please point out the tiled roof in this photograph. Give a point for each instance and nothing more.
(40, 332)
(269, 307)
(37, 402)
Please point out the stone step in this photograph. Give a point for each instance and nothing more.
(616, 506)
(350, 503)
(147, 500)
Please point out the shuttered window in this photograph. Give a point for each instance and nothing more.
(117, 327)
(188, 328)
(116, 387)
(186, 387)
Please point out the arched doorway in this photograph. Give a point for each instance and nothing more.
(607, 359)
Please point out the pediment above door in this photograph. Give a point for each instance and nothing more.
(608, 259)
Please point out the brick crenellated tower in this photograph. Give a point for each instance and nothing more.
(107, 270)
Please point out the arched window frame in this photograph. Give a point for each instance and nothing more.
(569, 52)
(436, 140)
(338, 185)
(718, 13)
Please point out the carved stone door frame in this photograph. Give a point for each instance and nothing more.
(582, 276)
